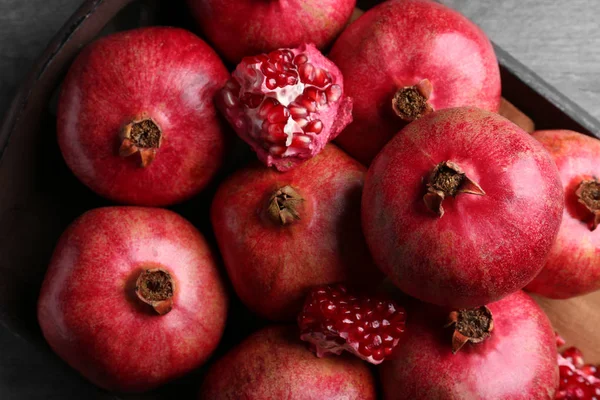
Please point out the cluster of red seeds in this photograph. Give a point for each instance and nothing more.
(280, 70)
(335, 320)
(578, 381)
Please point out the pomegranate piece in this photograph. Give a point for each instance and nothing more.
(573, 266)
(334, 320)
(240, 27)
(136, 119)
(577, 380)
(281, 234)
(461, 208)
(272, 364)
(286, 104)
(132, 298)
(404, 58)
(516, 361)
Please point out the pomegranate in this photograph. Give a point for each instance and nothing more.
(334, 320)
(238, 28)
(132, 298)
(286, 104)
(136, 117)
(577, 379)
(404, 58)
(461, 208)
(517, 359)
(273, 364)
(280, 234)
(573, 267)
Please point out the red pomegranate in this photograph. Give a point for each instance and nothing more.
(404, 58)
(461, 208)
(286, 104)
(573, 266)
(240, 28)
(132, 298)
(578, 381)
(136, 117)
(516, 361)
(280, 234)
(272, 364)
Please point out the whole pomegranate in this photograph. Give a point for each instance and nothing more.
(238, 28)
(280, 234)
(286, 104)
(136, 117)
(461, 208)
(132, 298)
(404, 58)
(573, 266)
(513, 354)
(272, 364)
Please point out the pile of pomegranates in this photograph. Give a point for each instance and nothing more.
(403, 252)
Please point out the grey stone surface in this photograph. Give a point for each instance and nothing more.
(558, 40)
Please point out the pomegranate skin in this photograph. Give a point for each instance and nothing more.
(273, 266)
(165, 74)
(273, 364)
(573, 266)
(483, 247)
(91, 317)
(399, 43)
(517, 362)
(239, 28)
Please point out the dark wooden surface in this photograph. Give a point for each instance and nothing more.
(560, 42)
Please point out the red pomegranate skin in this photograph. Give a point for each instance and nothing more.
(273, 266)
(399, 43)
(573, 266)
(517, 362)
(483, 247)
(166, 74)
(272, 364)
(240, 28)
(91, 317)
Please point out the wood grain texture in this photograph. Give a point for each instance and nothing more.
(560, 41)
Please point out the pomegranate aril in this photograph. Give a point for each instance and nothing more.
(274, 133)
(315, 126)
(310, 105)
(301, 141)
(574, 355)
(229, 98)
(287, 56)
(252, 100)
(265, 109)
(297, 111)
(306, 72)
(334, 92)
(268, 69)
(277, 150)
(302, 122)
(278, 114)
(271, 83)
(320, 78)
(311, 92)
(300, 59)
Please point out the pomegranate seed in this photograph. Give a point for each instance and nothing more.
(300, 59)
(275, 133)
(574, 355)
(297, 111)
(268, 104)
(252, 100)
(229, 98)
(278, 114)
(361, 332)
(334, 92)
(322, 100)
(277, 150)
(287, 56)
(233, 85)
(301, 141)
(306, 72)
(320, 78)
(291, 79)
(311, 92)
(315, 126)
(271, 83)
(302, 122)
(310, 105)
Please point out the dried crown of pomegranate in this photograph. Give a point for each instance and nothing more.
(286, 104)
(334, 320)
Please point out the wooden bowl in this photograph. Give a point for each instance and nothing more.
(40, 196)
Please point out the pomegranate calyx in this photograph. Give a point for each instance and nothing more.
(141, 136)
(155, 287)
(588, 194)
(470, 325)
(448, 179)
(411, 102)
(283, 206)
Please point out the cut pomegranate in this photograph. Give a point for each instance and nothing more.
(286, 104)
(577, 380)
(334, 320)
